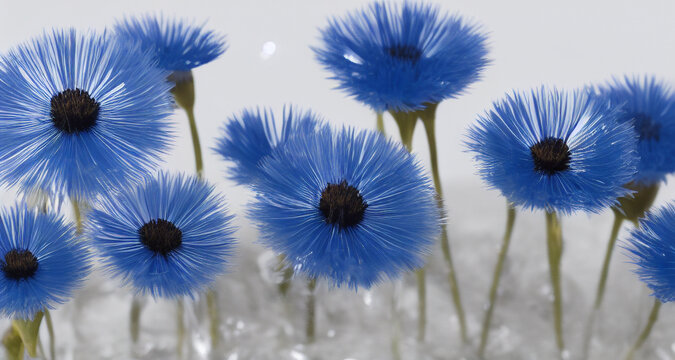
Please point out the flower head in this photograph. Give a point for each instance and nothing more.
(398, 58)
(253, 135)
(41, 262)
(555, 151)
(651, 247)
(649, 105)
(354, 208)
(176, 44)
(80, 115)
(169, 236)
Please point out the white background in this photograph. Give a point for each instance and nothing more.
(532, 42)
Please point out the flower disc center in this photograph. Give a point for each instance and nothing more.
(19, 264)
(405, 52)
(342, 204)
(74, 111)
(550, 156)
(161, 236)
(647, 129)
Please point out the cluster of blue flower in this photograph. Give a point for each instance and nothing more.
(86, 116)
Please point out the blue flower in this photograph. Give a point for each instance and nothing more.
(649, 105)
(555, 151)
(354, 208)
(651, 247)
(253, 135)
(169, 236)
(176, 44)
(41, 262)
(80, 115)
(398, 58)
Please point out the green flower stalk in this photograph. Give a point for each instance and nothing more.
(492, 297)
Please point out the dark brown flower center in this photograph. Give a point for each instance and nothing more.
(342, 204)
(550, 156)
(646, 127)
(405, 52)
(19, 264)
(161, 236)
(74, 111)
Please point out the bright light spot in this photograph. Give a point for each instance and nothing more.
(268, 49)
(352, 57)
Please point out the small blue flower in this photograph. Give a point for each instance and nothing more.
(354, 208)
(170, 236)
(651, 247)
(41, 262)
(649, 105)
(80, 115)
(555, 151)
(176, 44)
(393, 57)
(253, 135)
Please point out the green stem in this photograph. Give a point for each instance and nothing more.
(406, 122)
(653, 316)
(380, 123)
(52, 337)
(135, 319)
(78, 216)
(286, 273)
(618, 220)
(428, 117)
(396, 319)
(180, 325)
(492, 297)
(555, 248)
(199, 162)
(214, 317)
(310, 328)
(13, 344)
(29, 331)
(421, 304)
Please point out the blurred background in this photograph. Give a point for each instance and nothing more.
(269, 63)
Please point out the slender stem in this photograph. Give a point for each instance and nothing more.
(13, 344)
(406, 122)
(286, 274)
(555, 247)
(653, 316)
(199, 162)
(396, 331)
(52, 337)
(135, 319)
(214, 328)
(310, 328)
(428, 117)
(421, 304)
(380, 123)
(78, 216)
(180, 325)
(492, 297)
(618, 220)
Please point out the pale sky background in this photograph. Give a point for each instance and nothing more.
(532, 42)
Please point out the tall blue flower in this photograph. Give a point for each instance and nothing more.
(169, 236)
(41, 262)
(350, 207)
(79, 115)
(649, 105)
(398, 58)
(176, 44)
(253, 135)
(652, 248)
(554, 150)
